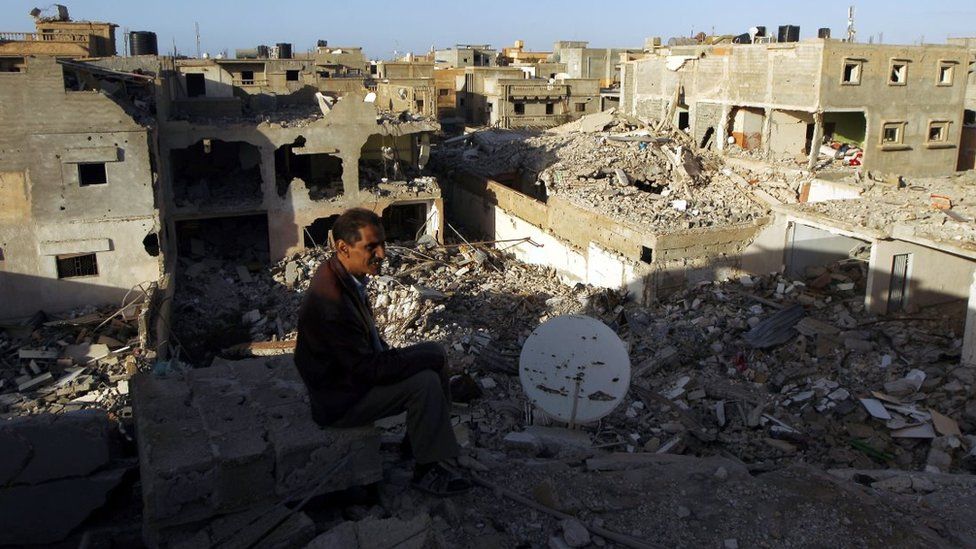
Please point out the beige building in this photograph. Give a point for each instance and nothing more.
(903, 105)
(58, 36)
(505, 97)
(582, 61)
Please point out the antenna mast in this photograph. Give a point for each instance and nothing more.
(851, 33)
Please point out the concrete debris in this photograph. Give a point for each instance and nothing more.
(55, 471)
(649, 181)
(80, 361)
(373, 533)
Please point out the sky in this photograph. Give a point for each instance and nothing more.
(383, 27)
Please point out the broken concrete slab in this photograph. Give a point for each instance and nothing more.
(34, 447)
(86, 352)
(48, 512)
(374, 533)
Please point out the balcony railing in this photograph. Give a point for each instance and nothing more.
(74, 38)
(250, 82)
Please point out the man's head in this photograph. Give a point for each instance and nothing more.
(360, 241)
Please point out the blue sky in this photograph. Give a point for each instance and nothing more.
(384, 26)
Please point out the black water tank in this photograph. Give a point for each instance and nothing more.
(262, 51)
(761, 30)
(284, 51)
(788, 33)
(742, 39)
(823, 32)
(143, 43)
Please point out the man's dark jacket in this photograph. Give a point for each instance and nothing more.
(335, 354)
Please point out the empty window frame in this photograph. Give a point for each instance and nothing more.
(550, 108)
(196, 85)
(13, 64)
(291, 76)
(947, 72)
(581, 107)
(852, 72)
(75, 265)
(92, 173)
(519, 108)
(938, 131)
(443, 92)
(898, 75)
(893, 133)
(247, 78)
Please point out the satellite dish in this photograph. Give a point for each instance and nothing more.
(753, 32)
(575, 369)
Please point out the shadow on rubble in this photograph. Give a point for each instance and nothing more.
(24, 295)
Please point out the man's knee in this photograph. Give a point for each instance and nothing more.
(426, 381)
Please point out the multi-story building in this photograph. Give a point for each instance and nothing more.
(582, 61)
(506, 98)
(79, 223)
(57, 35)
(902, 105)
(466, 55)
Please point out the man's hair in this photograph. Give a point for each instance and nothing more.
(346, 228)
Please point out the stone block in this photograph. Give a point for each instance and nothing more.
(228, 413)
(305, 453)
(244, 469)
(176, 463)
(280, 391)
(48, 447)
(160, 399)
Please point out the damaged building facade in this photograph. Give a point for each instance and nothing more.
(155, 158)
(901, 105)
(78, 173)
(288, 178)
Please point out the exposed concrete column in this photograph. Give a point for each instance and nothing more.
(818, 133)
(969, 336)
(723, 127)
(767, 130)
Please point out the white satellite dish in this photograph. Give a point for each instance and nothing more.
(575, 369)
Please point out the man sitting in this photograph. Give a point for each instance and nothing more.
(353, 376)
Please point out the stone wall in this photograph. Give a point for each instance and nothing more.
(234, 436)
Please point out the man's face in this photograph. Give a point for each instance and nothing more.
(365, 257)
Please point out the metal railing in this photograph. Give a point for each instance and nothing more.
(46, 37)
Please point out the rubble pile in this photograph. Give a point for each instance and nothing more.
(941, 208)
(766, 369)
(621, 169)
(58, 365)
(760, 373)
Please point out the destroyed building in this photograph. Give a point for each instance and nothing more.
(406, 85)
(288, 173)
(902, 106)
